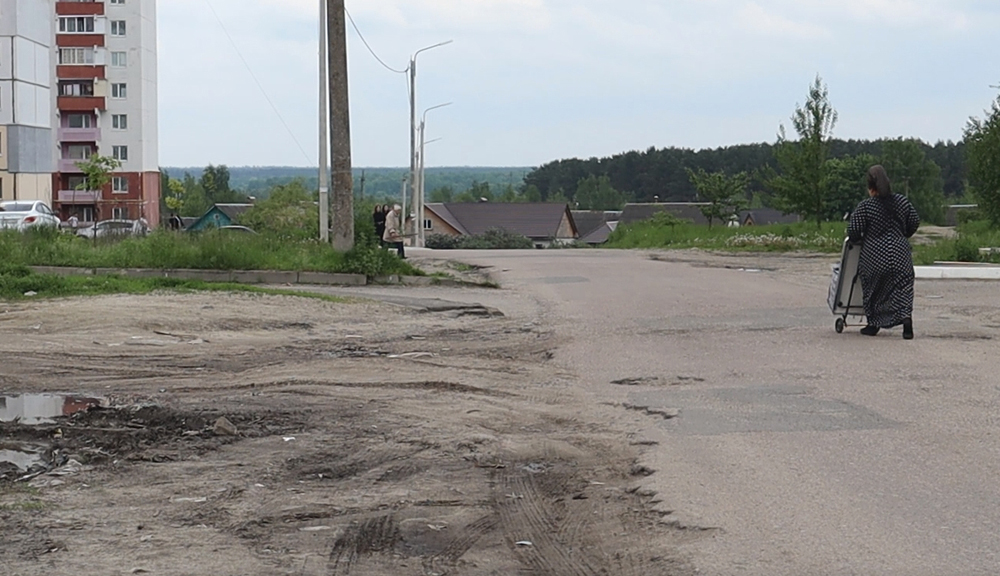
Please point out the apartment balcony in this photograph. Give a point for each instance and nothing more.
(78, 196)
(79, 134)
(79, 40)
(81, 103)
(68, 165)
(80, 8)
(75, 72)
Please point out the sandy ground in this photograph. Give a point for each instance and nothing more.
(370, 439)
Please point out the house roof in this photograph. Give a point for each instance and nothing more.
(588, 221)
(598, 235)
(233, 210)
(534, 220)
(684, 210)
(765, 216)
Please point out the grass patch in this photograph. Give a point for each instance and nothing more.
(16, 281)
(775, 238)
(213, 250)
(965, 248)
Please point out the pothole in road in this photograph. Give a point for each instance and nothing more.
(35, 409)
(657, 381)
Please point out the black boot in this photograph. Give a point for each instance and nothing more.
(870, 330)
(908, 329)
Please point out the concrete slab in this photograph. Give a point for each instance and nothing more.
(61, 271)
(957, 272)
(264, 277)
(202, 275)
(329, 279)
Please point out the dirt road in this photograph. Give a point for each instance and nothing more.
(358, 438)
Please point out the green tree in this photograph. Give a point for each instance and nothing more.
(289, 211)
(982, 141)
(725, 195)
(195, 203)
(596, 193)
(442, 194)
(214, 183)
(846, 180)
(916, 177)
(798, 188)
(174, 195)
(531, 194)
(97, 174)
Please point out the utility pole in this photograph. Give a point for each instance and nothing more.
(417, 201)
(340, 130)
(324, 144)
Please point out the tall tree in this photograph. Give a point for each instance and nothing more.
(596, 193)
(798, 188)
(725, 195)
(845, 180)
(982, 141)
(916, 177)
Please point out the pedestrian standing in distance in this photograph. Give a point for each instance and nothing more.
(393, 236)
(884, 222)
(378, 216)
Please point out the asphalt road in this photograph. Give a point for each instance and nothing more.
(807, 451)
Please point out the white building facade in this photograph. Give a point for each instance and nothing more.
(105, 77)
(26, 101)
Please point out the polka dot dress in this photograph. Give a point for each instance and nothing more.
(886, 266)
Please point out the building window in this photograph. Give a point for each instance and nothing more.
(119, 91)
(80, 121)
(78, 152)
(428, 224)
(119, 59)
(119, 2)
(76, 56)
(117, 27)
(119, 213)
(76, 24)
(119, 153)
(75, 182)
(85, 89)
(119, 184)
(119, 121)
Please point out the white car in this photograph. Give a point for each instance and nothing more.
(23, 214)
(117, 228)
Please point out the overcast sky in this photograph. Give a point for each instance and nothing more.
(539, 80)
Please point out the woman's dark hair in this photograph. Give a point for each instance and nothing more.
(378, 209)
(878, 181)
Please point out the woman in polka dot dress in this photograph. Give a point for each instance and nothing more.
(884, 222)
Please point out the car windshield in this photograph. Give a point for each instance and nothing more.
(17, 206)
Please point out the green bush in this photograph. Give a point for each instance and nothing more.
(492, 239)
(966, 250)
(441, 242)
(206, 250)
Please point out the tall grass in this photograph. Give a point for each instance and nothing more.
(964, 248)
(773, 238)
(16, 282)
(217, 250)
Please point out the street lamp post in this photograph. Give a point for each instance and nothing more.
(413, 123)
(420, 190)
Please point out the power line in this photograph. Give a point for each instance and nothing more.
(259, 85)
(362, 36)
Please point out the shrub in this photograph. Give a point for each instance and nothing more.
(441, 242)
(492, 239)
(966, 250)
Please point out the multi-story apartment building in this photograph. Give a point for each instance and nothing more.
(26, 158)
(105, 81)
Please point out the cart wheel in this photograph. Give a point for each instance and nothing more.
(839, 325)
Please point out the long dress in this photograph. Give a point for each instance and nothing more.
(886, 265)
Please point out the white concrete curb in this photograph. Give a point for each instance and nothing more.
(957, 272)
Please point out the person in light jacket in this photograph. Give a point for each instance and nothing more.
(393, 234)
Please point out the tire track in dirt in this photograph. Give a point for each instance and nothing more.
(471, 534)
(371, 536)
(526, 517)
